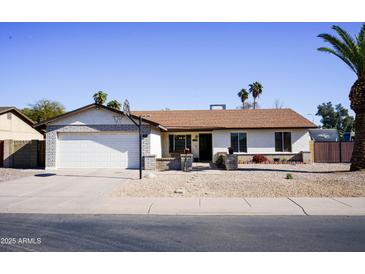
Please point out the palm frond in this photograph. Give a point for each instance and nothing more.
(361, 45)
(336, 43)
(349, 41)
(343, 50)
(361, 36)
(344, 59)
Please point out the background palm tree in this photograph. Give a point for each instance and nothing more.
(114, 104)
(256, 90)
(352, 52)
(243, 94)
(100, 97)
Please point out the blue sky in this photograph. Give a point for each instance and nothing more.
(174, 65)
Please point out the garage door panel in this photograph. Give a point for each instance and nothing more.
(97, 150)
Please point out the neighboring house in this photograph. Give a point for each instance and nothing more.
(324, 135)
(14, 125)
(96, 136)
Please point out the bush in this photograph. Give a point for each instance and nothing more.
(259, 158)
(289, 176)
(220, 161)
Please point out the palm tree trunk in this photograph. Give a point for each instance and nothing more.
(358, 154)
(254, 102)
(357, 98)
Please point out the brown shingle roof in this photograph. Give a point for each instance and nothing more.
(5, 109)
(227, 119)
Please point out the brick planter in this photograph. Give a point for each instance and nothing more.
(163, 164)
(149, 162)
(186, 162)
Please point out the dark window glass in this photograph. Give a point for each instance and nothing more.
(234, 141)
(179, 143)
(287, 141)
(239, 142)
(243, 142)
(171, 143)
(188, 142)
(278, 141)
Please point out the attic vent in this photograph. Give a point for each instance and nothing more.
(8, 116)
(218, 107)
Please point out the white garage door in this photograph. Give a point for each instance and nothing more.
(98, 150)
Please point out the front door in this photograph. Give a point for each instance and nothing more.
(205, 147)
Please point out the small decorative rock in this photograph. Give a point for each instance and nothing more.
(151, 176)
(180, 191)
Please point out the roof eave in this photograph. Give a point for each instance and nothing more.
(64, 115)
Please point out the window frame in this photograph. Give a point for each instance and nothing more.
(283, 144)
(173, 147)
(238, 141)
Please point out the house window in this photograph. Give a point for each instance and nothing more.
(239, 142)
(9, 116)
(283, 142)
(178, 143)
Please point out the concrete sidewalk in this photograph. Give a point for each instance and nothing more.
(183, 206)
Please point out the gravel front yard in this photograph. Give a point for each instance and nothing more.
(7, 174)
(312, 180)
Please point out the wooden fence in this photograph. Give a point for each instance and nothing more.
(333, 152)
(22, 154)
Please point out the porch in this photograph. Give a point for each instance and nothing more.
(198, 143)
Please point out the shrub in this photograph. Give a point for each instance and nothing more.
(259, 158)
(283, 160)
(220, 161)
(289, 176)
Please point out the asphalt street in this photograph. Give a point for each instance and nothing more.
(43, 232)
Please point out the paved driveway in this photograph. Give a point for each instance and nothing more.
(74, 189)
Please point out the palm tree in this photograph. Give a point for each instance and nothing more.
(352, 52)
(243, 94)
(114, 104)
(100, 97)
(256, 90)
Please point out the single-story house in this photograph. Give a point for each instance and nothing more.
(17, 135)
(14, 125)
(96, 136)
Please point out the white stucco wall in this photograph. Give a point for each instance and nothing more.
(16, 129)
(261, 141)
(94, 117)
(155, 143)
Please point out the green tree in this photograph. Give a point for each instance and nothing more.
(328, 114)
(100, 97)
(114, 104)
(256, 90)
(43, 109)
(351, 50)
(243, 94)
(335, 117)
